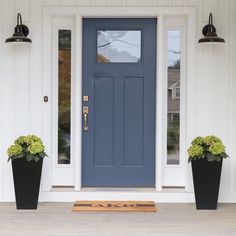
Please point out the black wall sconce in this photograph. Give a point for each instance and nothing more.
(20, 34)
(209, 32)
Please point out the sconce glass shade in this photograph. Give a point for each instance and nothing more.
(20, 34)
(209, 32)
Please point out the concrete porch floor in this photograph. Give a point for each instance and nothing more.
(54, 219)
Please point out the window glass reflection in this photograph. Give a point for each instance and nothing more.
(173, 104)
(118, 46)
(64, 96)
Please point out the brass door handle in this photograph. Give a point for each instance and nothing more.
(85, 115)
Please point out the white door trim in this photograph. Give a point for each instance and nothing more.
(79, 13)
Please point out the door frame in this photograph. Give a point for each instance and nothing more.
(118, 12)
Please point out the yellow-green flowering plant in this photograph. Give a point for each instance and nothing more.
(29, 147)
(210, 147)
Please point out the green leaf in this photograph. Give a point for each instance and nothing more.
(211, 157)
(21, 155)
(14, 157)
(42, 154)
(37, 158)
(29, 157)
(17, 156)
(224, 155)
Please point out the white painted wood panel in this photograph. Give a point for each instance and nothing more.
(131, 3)
(100, 3)
(1, 104)
(146, 3)
(23, 6)
(211, 97)
(8, 94)
(162, 3)
(116, 3)
(192, 2)
(53, 2)
(84, 3)
(221, 85)
(177, 2)
(233, 101)
(68, 2)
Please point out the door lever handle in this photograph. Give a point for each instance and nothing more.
(85, 115)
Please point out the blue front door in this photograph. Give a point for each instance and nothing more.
(119, 74)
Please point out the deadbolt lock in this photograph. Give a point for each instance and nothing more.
(85, 98)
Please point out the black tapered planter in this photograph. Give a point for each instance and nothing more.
(206, 179)
(27, 177)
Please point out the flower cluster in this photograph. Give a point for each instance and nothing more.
(27, 140)
(195, 150)
(210, 147)
(29, 147)
(36, 147)
(14, 150)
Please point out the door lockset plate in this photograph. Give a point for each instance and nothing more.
(85, 115)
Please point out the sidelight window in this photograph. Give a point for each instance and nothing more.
(173, 96)
(64, 96)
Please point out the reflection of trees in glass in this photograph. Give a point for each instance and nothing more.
(176, 65)
(173, 136)
(64, 95)
(115, 36)
(117, 46)
(64, 40)
(173, 142)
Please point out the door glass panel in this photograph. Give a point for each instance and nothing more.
(173, 100)
(64, 96)
(118, 46)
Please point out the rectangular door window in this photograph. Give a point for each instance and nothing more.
(118, 46)
(173, 97)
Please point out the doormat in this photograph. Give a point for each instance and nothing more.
(115, 206)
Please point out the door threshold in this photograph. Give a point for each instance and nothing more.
(173, 189)
(116, 189)
(62, 189)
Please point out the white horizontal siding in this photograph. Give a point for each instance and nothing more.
(100, 3)
(69, 2)
(82, 3)
(53, 2)
(21, 78)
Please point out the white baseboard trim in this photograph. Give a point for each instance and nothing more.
(164, 197)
